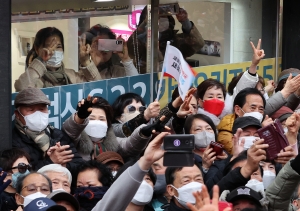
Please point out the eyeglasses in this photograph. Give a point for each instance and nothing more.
(22, 167)
(132, 109)
(32, 188)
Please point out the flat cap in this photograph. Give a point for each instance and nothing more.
(31, 96)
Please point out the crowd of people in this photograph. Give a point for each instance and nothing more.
(111, 157)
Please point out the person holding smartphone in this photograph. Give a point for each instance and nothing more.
(205, 132)
(104, 64)
(45, 66)
(15, 162)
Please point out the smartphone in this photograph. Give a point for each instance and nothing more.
(110, 45)
(179, 142)
(168, 9)
(179, 159)
(217, 148)
(179, 150)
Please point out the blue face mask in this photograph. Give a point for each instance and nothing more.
(15, 177)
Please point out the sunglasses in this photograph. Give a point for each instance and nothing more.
(22, 167)
(132, 109)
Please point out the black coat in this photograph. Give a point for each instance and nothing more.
(7, 202)
(232, 180)
(37, 159)
(215, 172)
(173, 207)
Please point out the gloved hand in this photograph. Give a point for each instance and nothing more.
(84, 107)
(157, 126)
(3, 185)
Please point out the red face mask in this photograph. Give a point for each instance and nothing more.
(214, 106)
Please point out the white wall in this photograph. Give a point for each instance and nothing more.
(69, 28)
(114, 22)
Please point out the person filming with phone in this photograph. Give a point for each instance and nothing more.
(97, 53)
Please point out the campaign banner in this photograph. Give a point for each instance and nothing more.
(64, 99)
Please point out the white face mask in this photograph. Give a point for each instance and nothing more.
(56, 59)
(268, 178)
(128, 116)
(203, 139)
(59, 189)
(185, 193)
(143, 195)
(114, 173)
(163, 24)
(96, 129)
(249, 140)
(255, 185)
(36, 121)
(31, 197)
(256, 115)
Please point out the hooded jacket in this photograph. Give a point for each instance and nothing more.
(279, 193)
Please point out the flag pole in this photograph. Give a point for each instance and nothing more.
(162, 74)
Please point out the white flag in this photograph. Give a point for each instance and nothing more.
(176, 67)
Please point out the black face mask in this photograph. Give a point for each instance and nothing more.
(88, 197)
(160, 185)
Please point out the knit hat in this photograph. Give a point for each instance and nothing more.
(106, 157)
(282, 114)
(285, 74)
(31, 96)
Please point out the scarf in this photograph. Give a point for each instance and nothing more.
(88, 197)
(40, 138)
(57, 77)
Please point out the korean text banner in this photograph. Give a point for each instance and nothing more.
(64, 99)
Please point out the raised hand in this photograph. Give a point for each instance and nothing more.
(185, 109)
(267, 121)
(46, 53)
(152, 110)
(237, 147)
(255, 154)
(124, 56)
(203, 202)
(153, 152)
(291, 85)
(258, 53)
(182, 15)
(178, 101)
(84, 107)
(84, 51)
(285, 155)
(270, 87)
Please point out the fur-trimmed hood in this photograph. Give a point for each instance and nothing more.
(85, 145)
